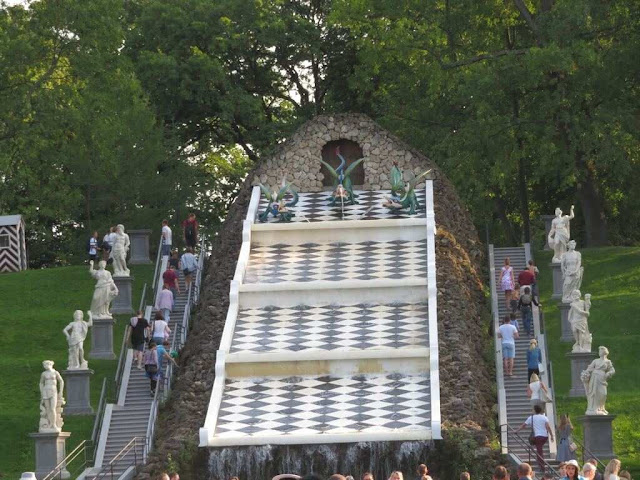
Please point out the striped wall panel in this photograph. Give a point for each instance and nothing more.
(10, 258)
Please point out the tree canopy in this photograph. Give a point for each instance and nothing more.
(134, 111)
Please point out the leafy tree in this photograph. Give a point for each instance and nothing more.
(79, 147)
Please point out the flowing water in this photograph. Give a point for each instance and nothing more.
(265, 462)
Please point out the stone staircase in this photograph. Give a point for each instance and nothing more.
(129, 417)
(518, 407)
(331, 334)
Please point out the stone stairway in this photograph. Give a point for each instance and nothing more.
(129, 418)
(518, 406)
(330, 333)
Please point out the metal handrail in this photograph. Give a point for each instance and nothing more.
(155, 272)
(529, 448)
(589, 452)
(179, 337)
(151, 423)
(75, 453)
(132, 445)
(123, 349)
(501, 392)
(201, 256)
(143, 297)
(97, 423)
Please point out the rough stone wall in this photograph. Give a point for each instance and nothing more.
(298, 159)
(466, 371)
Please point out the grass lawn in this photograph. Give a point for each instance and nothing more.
(35, 306)
(612, 276)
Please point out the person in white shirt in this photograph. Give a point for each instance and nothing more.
(93, 247)
(542, 432)
(534, 390)
(508, 333)
(159, 329)
(166, 238)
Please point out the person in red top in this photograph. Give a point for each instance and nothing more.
(526, 277)
(170, 279)
(190, 230)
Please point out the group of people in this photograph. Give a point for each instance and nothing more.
(569, 470)
(519, 296)
(190, 229)
(156, 334)
(158, 349)
(422, 473)
(114, 248)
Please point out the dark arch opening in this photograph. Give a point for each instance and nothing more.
(351, 151)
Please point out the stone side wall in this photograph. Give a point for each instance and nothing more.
(298, 159)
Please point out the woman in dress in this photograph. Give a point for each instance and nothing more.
(396, 476)
(564, 440)
(507, 281)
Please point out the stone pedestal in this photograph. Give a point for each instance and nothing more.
(139, 247)
(122, 303)
(547, 219)
(50, 451)
(78, 396)
(565, 327)
(102, 339)
(556, 272)
(579, 363)
(598, 435)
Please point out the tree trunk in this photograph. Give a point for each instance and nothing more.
(501, 212)
(523, 194)
(87, 206)
(592, 203)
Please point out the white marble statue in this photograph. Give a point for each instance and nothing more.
(76, 333)
(595, 382)
(572, 270)
(559, 234)
(104, 292)
(578, 319)
(119, 252)
(51, 399)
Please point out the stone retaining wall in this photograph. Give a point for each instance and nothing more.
(298, 159)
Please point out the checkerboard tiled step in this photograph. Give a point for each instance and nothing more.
(317, 406)
(330, 328)
(397, 259)
(314, 207)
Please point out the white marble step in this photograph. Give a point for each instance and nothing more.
(306, 328)
(394, 260)
(324, 409)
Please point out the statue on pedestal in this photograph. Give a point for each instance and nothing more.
(51, 399)
(76, 333)
(119, 251)
(104, 292)
(595, 382)
(559, 234)
(572, 270)
(578, 319)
